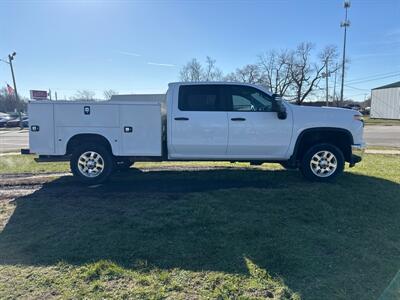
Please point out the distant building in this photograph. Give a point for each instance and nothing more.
(385, 101)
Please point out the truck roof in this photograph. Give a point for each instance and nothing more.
(261, 87)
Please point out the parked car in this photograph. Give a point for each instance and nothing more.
(202, 121)
(356, 107)
(366, 110)
(25, 123)
(4, 120)
(16, 122)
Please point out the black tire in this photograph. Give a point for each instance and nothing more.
(123, 164)
(322, 170)
(106, 160)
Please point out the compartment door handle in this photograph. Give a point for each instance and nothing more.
(128, 129)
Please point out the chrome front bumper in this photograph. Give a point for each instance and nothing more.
(357, 153)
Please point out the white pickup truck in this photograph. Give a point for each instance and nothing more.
(196, 121)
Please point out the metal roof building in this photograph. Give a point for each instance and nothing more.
(385, 101)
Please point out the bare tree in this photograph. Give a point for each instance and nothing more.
(306, 74)
(275, 70)
(109, 93)
(329, 56)
(192, 71)
(249, 73)
(211, 72)
(84, 95)
(293, 74)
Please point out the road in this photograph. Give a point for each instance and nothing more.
(12, 140)
(378, 135)
(375, 135)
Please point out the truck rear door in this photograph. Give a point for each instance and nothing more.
(199, 123)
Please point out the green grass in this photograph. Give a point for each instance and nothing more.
(105, 279)
(14, 164)
(388, 122)
(228, 233)
(26, 164)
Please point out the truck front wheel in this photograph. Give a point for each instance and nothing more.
(322, 162)
(91, 163)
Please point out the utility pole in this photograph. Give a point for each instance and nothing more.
(345, 24)
(10, 59)
(326, 82)
(325, 75)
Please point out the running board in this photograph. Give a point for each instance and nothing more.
(52, 158)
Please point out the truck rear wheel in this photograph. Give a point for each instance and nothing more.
(322, 162)
(91, 163)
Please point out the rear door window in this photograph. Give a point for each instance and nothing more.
(203, 97)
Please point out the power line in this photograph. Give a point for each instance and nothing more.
(374, 79)
(371, 76)
(354, 88)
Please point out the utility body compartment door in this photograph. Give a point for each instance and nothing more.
(41, 128)
(140, 126)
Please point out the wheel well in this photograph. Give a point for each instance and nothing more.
(340, 138)
(86, 138)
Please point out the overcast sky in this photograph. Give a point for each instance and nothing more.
(139, 46)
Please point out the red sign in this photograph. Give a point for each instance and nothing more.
(38, 95)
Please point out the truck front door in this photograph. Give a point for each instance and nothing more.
(199, 123)
(255, 132)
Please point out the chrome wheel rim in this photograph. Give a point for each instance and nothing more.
(90, 164)
(323, 163)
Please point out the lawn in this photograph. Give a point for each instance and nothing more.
(233, 232)
(387, 122)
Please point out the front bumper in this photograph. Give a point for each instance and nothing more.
(357, 153)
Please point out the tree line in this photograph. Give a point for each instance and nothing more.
(8, 103)
(294, 74)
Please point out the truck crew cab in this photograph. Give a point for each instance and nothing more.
(219, 121)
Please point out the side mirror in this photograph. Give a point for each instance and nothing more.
(280, 107)
(282, 115)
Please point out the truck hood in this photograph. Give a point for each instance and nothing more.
(311, 116)
(323, 112)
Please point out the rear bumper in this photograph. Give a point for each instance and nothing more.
(357, 153)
